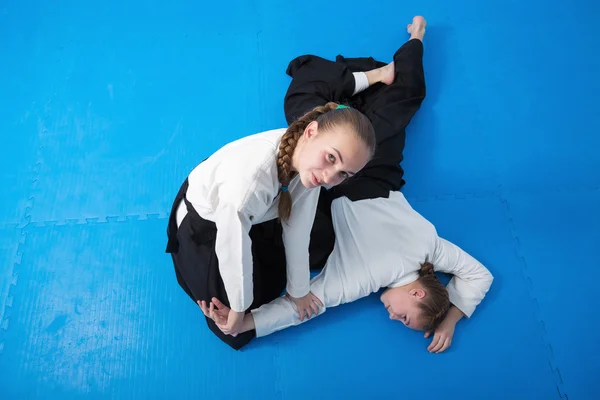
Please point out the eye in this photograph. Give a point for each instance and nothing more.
(331, 158)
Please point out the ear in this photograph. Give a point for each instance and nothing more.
(311, 130)
(418, 293)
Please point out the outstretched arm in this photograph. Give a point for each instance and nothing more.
(282, 312)
(466, 289)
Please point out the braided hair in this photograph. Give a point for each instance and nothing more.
(327, 117)
(436, 303)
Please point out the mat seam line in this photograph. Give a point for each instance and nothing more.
(412, 199)
(22, 226)
(530, 291)
(262, 110)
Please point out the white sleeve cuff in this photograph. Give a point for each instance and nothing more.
(279, 314)
(361, 82)
(465, 296)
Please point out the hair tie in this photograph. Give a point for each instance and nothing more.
(341, 106)
(284, 188)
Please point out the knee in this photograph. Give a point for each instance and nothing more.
(296, 63)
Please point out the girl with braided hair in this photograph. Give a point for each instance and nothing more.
(240, 225)
(366, 237)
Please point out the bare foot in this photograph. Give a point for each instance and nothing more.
(417, 28)
(387, 74)
(383, 74)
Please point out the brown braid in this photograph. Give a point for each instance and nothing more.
(436, 303)
(326, 119)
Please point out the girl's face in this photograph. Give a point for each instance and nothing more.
(402, 303)
(328, 158)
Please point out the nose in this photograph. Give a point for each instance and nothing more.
(331, 177)
(394, 317)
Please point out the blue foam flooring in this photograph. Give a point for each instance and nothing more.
(358, 343)
(557, 240)
(97, 311)
(11, 241)
(114, 322)
(107, 106)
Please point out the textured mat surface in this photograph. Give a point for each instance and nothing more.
(556, 240)
(97, 312)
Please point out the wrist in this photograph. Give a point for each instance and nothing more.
(298, 297)
(454, 315)
(248, 323)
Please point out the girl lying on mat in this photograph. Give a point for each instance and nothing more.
(366, 236)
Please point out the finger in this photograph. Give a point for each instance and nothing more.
(302, 313)
(444, 346)
(219, 319)
(427, 334)
(218, 303)
(434, 342)
(203, 308)
(221, 323)
(212, 314)
(439, 345)
(211, 311)
(319, 302)
(309, 312)
(217, 315)
(315, 307)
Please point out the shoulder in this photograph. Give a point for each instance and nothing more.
(244, 169)
(393, 210)
(409, 216)
(389, 224)
(267, 141)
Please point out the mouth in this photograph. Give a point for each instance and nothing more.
(315, 181)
